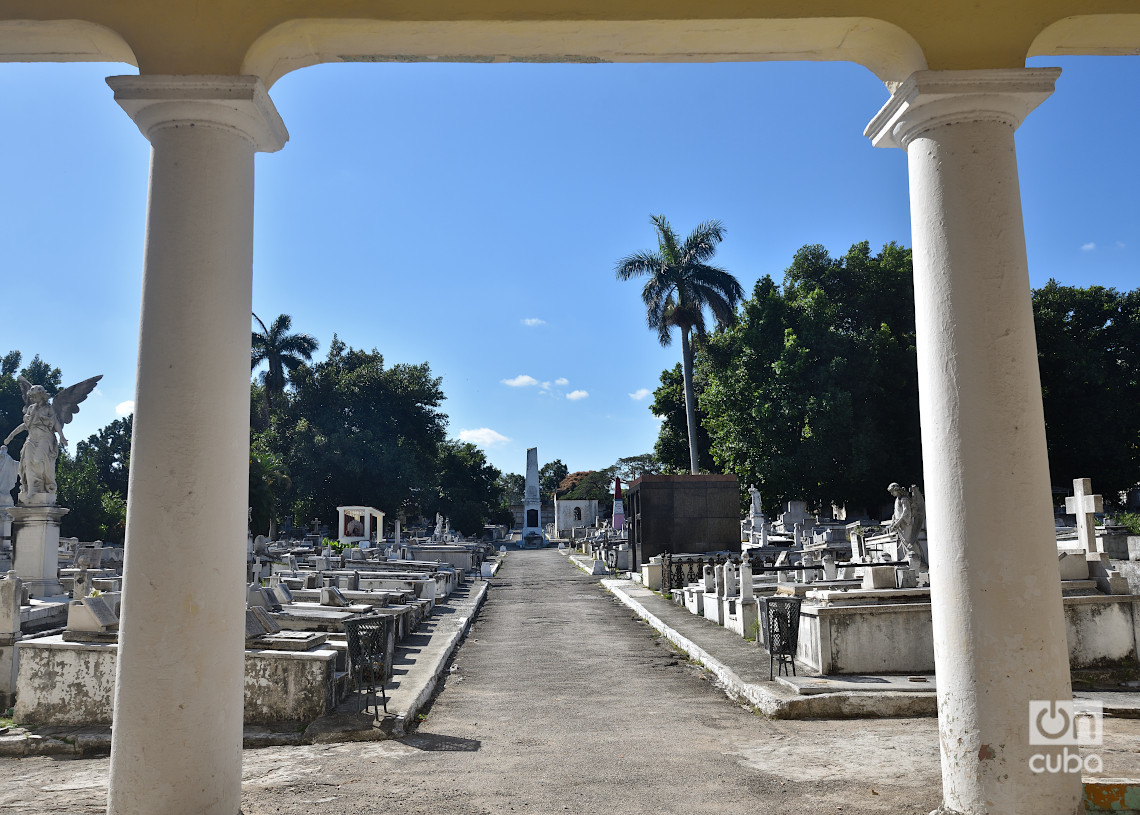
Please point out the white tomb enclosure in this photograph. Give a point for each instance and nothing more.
(890, 630)
(573, 514)
(359, 526)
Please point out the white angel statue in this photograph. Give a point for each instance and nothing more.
(909, 518)
(44, 418)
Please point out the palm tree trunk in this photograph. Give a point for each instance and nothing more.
(690, 399)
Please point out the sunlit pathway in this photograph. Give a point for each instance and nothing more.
(560, 701)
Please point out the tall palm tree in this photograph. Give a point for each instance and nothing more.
(284, 352)
(681, 285)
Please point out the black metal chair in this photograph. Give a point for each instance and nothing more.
(783, 627)
(368, 656)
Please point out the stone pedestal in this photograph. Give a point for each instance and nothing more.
(36, 538)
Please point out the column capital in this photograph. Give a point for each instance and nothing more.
(237, 103)
(928, 99)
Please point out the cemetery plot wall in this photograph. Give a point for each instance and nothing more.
(70, 683)
(899, 638)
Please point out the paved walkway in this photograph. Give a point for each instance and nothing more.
(561, 701)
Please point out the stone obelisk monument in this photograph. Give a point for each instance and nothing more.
(532, 503)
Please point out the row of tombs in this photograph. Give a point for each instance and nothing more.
(863, 599)
(59, 638)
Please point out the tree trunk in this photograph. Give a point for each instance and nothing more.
(690, 399)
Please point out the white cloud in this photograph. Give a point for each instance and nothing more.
(125, 408)
(520, 381)
(574, 396)
(483, 436)
(561, 381)
(639, 394)
(533, 321)
(546, 386)
(1088, 247)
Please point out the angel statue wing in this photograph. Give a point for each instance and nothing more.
(66, 402)
(25, 386)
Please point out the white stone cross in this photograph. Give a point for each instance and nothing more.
(1083, 504)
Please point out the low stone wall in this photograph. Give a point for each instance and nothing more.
(899, 638)
(894, 638)
(1101, 629)
(73, 683)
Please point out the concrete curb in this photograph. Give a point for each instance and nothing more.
(442, 658)
(341, 726)
(773, 699)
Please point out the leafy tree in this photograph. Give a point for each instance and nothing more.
(39, 372)
(357, 432)
(268, 482)
(681, 285)
(513, 487)
(1088, 342)
(82, 494)
(469, 489)
(110, 451)
(550, 476)
(814, 392)
(630, 468)
(283, 352)
(93, 484)
(672, 446)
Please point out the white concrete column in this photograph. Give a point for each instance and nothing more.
(999, 628)
(179, 689)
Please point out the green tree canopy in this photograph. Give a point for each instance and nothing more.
(1088, 342)
(550, 475)
(470, 494)
(813, 393)
(357, 432)
(630, 468)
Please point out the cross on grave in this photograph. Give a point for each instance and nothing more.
(1083, 504)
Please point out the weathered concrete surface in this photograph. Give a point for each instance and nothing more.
(417, 666)
(560, 701)
(72, 684)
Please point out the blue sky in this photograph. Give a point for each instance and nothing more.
(471, 215)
